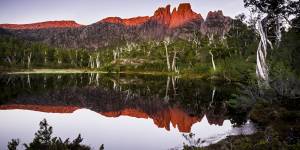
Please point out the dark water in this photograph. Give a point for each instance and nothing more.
(119, 111)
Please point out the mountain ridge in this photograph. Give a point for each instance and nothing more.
(179, 16)
(162, 119)
(181, 23)
(43, 25)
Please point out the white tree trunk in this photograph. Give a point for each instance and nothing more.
(212, 97)
(174, 80)
(116, 54)
(212, 60)
(45, 57)
(261, 65)
(167, 55)
(9, 60)
(45, 81)
(115, 84)
(90, 78)
(278, 30)
(97, 61)
(29, 60)
(28, 80)
(76, 57)
(210, 39)
(174, 62)
(97, 79)
(91, 62)
(166, 99)
(59, 61)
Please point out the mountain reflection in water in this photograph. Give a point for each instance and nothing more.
(177, 105)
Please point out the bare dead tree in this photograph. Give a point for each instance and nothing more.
(29, 60)
(166, 98)
(212, 60)
(166, 44)
(98, 61)
(174, 62)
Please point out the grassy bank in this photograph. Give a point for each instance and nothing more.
(277, 128)
(71, 71)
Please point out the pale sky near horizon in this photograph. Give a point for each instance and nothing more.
(90, 11)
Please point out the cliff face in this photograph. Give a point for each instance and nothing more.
(162, 119)
(127, 22)
(216, 23)
(183, 15)
(177, 18)
(182, 23)
(42, 25)
(162, 16)
(142, 102)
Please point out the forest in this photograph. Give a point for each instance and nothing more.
(199, 55)
(260, 54)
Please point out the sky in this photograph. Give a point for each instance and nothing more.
(90, 11)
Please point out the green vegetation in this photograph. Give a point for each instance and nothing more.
(278, 128)
(232, 55)
(274, 109)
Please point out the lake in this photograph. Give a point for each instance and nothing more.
(120, 111)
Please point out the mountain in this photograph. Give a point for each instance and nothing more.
(42, 25)
(136, 96)
(177, 18)
(216, 23)
(162, 119)
(127, 22)
(183, 15)
(181, 23)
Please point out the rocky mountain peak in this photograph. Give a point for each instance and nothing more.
(216, 23)
(215, 15)
(184, 14)
(162, 15)
(178, 17)
(184, 7)
(181, 23)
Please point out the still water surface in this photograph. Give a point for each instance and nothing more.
(121, 112)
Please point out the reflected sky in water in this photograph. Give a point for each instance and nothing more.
(123, 111)
(123, 132)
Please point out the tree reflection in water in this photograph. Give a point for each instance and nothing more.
(167, 100)
(128, 95)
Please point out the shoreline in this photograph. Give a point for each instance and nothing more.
(75, 71)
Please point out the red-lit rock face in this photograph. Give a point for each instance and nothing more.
(126, 112)
(177, 18)
(129, 22)
(162, 119)
(176, 117)
(163, 16)
(51, 109)
(136, 20)
(42, 25)
(183, 15)
(180, 16)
